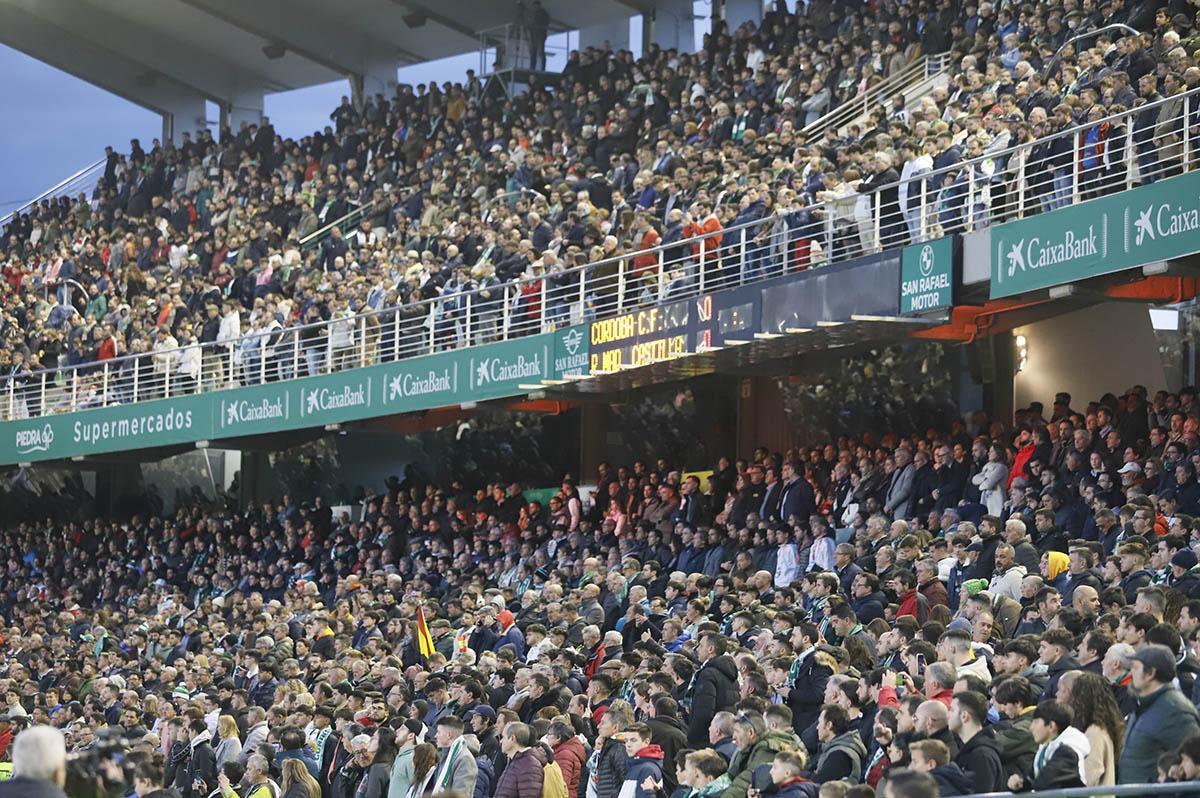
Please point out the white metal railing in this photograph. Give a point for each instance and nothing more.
(902, 82)
(1055, 59)
(1008, 184)
(82, 182)
(344, 223)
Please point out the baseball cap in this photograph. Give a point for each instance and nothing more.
(484, 711)
(1158, 657)
(1130, 468)
(1184, 558)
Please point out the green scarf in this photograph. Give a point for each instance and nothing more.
(717, 785)
(443, 778)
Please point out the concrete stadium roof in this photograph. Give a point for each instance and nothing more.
(169, 55)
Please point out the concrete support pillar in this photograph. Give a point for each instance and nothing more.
(182, 112)
(254, 466)
(614, 33)
(245, 106)
(761, 419)
(593, 420)
(378, 77)
(671, 26)
(738, 12)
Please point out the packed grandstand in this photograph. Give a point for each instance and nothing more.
(980, 606)
(196, 264)
(996, 609)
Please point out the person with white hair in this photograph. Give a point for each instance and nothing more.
(258, 785)
(39, 757)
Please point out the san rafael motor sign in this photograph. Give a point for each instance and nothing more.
(927, 276)
(1156, 222)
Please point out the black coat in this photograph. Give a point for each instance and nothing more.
(950, 484)
(1059, 771)
(669, 734)
(610, 769)
(981, 756)
(203, 767)
(808, 693)
(715, 689)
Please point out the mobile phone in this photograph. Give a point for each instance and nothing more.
(921, 662)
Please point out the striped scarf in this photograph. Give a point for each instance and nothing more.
(443, 778)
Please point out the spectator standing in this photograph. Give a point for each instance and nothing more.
(1162, 715)
(522, 776)
(713, 687)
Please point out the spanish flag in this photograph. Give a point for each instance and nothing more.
(424, 640)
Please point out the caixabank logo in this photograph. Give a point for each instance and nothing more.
(497, 370)
(316, 401)
(243, 411)
(412, 384)
(1037, 252)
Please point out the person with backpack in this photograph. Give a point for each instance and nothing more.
(523, 777)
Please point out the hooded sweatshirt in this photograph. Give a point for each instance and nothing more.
(646, 762)
(952, 780)
(981, 757)
(1071, 738)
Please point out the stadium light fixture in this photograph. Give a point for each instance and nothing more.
(892, 319)
(830, 323)
(767, 336)
(797, 330)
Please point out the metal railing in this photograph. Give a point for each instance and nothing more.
(82, 182)
(844, 223)
(1116, 790)
(344, 223)
(904, 81)
(1056, 59)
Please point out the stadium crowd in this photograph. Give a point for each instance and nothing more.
(964, 610)
(199, 242)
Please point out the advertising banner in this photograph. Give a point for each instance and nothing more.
(1155, 222)
(927, 276)
(487, 372)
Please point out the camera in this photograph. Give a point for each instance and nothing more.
(101, 770)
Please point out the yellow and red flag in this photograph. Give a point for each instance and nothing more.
(424, 639)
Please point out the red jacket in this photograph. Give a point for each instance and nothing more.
(108, 349)
(914, 604)
(570, 758)
(1019, 463)
(595, 661)
(646, 262)
(710, 228)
